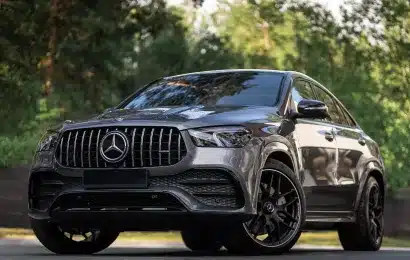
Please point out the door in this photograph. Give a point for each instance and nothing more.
(352, 152)
(348, 153)
(317, 151)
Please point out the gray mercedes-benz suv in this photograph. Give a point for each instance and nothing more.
(245, 159)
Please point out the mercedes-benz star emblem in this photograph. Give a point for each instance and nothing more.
(114, 146)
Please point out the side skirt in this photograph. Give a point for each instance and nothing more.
(327, 220)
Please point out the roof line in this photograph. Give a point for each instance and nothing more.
(226, 70)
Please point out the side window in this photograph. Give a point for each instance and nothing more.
(335, 114)
(349, 120)
(301, 90)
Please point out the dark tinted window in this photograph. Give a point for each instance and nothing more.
(231, 88)
(301, 90)
(335, 115)
(349, 120)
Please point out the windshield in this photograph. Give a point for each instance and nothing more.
(248, 88)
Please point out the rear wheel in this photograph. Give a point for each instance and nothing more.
(367, 233)
(198, 239)
(281, 213)
(72, 241)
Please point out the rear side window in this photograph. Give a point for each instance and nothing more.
(335, 115)
(348, 119)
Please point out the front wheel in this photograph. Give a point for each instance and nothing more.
(72, 241)
(367, 233)
(281, 213)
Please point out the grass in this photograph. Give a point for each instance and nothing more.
(313, 238)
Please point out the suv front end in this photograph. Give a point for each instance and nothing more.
(160, 172)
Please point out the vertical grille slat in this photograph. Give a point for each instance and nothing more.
(96, 148)
(61, 150)
(68, 149)
(89, 148)
(149, 146)
(179, 147)
(159, 146)
(75, 149)
(125, 161)
(142, 147)
(82, 149)
(105, 164)
(169, 146)
(132, 148)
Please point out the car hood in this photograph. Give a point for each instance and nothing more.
(181, 117)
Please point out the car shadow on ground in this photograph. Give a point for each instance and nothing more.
(133, 252)
(125, 252)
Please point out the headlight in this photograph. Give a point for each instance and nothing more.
(231, 137)
(48, 141)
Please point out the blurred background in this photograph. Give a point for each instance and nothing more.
(64, 59)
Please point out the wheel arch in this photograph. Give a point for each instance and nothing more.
(281, 151)
(278, 150)
(373, 169)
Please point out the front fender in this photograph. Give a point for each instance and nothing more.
(280, 144)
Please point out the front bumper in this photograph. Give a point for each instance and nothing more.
(223, 188)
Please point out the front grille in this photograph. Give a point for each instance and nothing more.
(45, 186)
(149, 147)
(210, 187)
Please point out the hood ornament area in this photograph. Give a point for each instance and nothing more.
(114, 146)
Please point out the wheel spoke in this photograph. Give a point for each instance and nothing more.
(286, 193)
(263, 189)
(271, 184)
(254, 221)
(286, 225)
(270, 228)
(288, 215)
(277, 190)
(373, 229)
(260, 225)
(376, 198)
(290, 202)
(256, 225)
(277, 228)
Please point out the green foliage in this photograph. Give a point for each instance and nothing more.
(18, 150)
(97, 52)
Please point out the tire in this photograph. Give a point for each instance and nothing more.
(359, 236)
(201, 240)
(240, 239)
(51, 236)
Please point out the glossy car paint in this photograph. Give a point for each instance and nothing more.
(331, 161)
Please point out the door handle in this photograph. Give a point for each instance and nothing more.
(329, 136)
(362, 141)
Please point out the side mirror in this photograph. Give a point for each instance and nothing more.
(308, 108)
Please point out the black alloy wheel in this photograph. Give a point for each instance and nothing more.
(279, 210)
(280, 214)
(72, 240)
(366, 233)
(375, 210)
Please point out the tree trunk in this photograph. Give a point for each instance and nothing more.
(52, 46)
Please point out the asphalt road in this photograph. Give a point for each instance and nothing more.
(11, 251)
